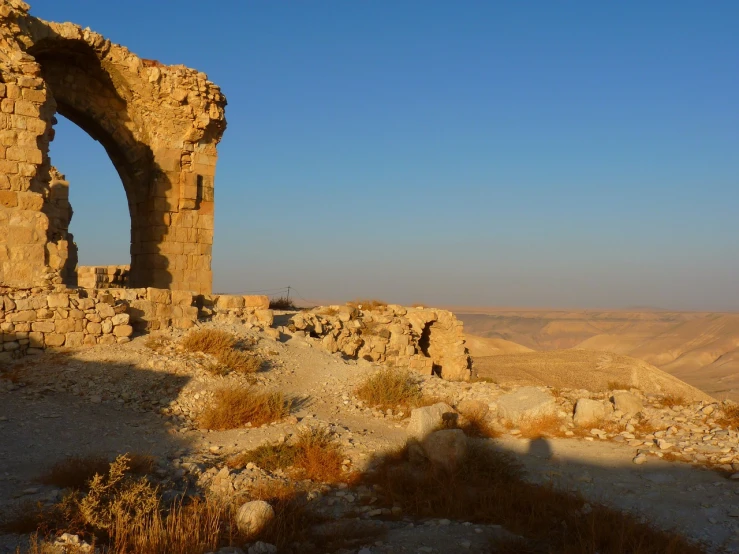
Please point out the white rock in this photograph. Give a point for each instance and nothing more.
(254, 516)
(627, 403)
(526, 403)
(589, 411)
(425, 420)
(446, 448)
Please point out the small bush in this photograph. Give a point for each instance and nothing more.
(391, 388)
(208, 341)
(233, 408)
(730, 417)
(282, 303)
(672, 400)
(315, 455)
(367, 305)
(240, 362)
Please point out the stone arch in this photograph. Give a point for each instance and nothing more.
(159, 125)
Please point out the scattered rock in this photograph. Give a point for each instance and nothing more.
(425, 420)
(254, 516)
(525, 404)
(446, 448)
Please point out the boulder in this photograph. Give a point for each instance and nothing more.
(589, 412)
(254, 516)
(446, 449)
(427, 419)
(525, 404)
(627, 403)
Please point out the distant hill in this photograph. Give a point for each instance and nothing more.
(699, 348)
(583, 369)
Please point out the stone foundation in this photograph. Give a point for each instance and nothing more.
(103, 277)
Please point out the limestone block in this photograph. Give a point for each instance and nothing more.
(181, 298)
(58, 300)
(74, 339)
(183, 323)
(256, 301)
(94, 318)
(54, 339)
(44, 314)
(43, 326)
(627, 403)
(94, 328)
(36, 340)
(160, 296)
(64, 325)
(427, 419)
(76, 314)
(526, 403)
(589, 412)
(25, 315)
(446, 449)
(265, 317)
(120, 319)
(107, 326)
(229, 302)
(107, 339)
(90, 340)
(123, 330)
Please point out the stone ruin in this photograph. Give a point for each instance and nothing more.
(159, 125)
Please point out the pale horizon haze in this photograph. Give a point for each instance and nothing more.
(544, 154)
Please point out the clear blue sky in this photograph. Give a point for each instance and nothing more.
(563, 154)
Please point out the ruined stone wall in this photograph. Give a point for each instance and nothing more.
(160, 126)
(103, 277)
(427, 340)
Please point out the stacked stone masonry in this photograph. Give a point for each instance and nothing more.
(426, 340)
(158, 124)
(103, 277)
(81, 317)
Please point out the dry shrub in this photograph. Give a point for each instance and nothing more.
(542, 426)
(315, 455)
(222, 345)
(238, 361)
(208, 341)
(157, 342)
(233, 408)
(489, 488)
(476, 424)
(618, 385)
(77, 471)
(367, 305)
(329, 310)
(282, 303)
(672, 400)
(730, 417)
(391, 388)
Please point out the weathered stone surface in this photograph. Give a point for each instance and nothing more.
(627, 403)
(256, 301)
(163, 123)
(253, 517)
(446, 448)
(229, 302)
(427, 419)
(526, 403)
(589, 412)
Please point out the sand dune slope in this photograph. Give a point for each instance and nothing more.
(483, 346)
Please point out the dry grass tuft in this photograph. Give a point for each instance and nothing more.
(672, 400)
(76, 472)
(391, 388)
(208, 341)
(233, 408)
(541, 427)
(367, 305)
(730, 417)
(329, 310)
(315, 455)
(489, 487)
(618, 385)
(222, 345)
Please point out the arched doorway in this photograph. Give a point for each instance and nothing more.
(158, 125)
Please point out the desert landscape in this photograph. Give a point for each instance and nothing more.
(144, 412)
(699, 348)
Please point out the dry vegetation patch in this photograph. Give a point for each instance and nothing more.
(489, 488)
(223, 346)
(672, 400)
(730, 417)
(541, 427)
(282, 303)
(233, 408)
(391, 388)
(315, 455)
